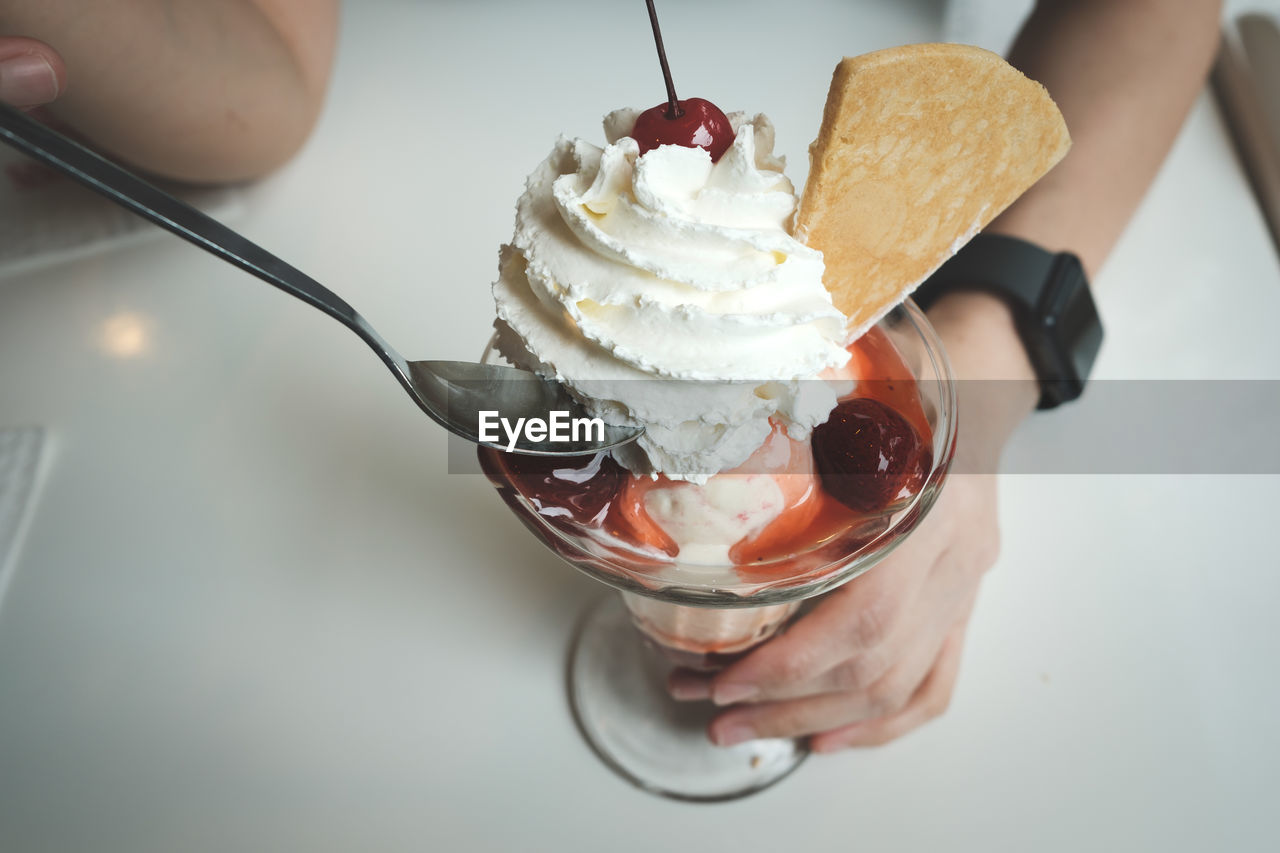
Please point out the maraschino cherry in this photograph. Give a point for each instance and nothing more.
(698, 124)
(869, 456)
(693, 122)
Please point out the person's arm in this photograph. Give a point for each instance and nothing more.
(1124, 76)
(880, 655)
(187, 89)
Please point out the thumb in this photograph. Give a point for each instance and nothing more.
(31, 72)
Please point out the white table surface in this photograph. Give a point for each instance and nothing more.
(253, 611)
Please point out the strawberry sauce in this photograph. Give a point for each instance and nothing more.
(871, 457)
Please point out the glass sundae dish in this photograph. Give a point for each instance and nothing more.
(704, 613)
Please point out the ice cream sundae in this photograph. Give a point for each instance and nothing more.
(796, 413)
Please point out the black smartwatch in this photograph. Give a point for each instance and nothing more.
(1050, 299)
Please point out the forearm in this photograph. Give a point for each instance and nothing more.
(1124, 75)
(191, 89)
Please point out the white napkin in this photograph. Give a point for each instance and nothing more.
(20, 452)
(46, 217)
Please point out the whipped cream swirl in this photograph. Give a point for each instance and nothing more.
(666, 290)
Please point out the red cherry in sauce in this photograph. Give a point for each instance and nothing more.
(698, 124)
(868, 455)
(577, 487)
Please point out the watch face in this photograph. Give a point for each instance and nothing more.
(1065, 332)
(1076, 328)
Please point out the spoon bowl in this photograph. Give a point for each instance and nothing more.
(465, 393)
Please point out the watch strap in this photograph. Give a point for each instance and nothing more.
(1049, 297)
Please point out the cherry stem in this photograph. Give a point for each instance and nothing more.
(673, 106)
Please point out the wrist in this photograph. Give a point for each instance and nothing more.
(981, 337)
(996, 384)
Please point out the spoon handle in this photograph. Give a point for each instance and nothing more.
(133, 193)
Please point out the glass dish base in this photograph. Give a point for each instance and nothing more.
(617, 687)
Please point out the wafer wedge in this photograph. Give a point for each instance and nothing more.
(920, 147)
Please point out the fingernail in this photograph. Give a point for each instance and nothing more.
(27, 81)
(727, 694)
(687, 687)
(728, 734)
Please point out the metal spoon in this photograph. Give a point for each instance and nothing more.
(452, 393)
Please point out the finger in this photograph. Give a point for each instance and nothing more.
(31, 72)
(889, 672)
(930, 701)
(788, 718)
(824, 710)
(912, 647)
(857, 620)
